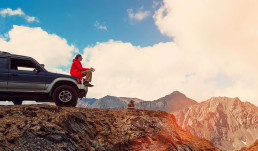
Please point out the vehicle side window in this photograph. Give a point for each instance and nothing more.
(3, 63)
(22, 64)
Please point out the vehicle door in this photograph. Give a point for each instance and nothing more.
(3, 73)
(25, 75)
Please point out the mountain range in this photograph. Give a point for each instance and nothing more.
(170, 103)
(228, 123)
(85, 102)
(112, 102)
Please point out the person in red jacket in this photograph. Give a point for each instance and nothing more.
(78, 71)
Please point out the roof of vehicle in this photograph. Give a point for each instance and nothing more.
(7, 54)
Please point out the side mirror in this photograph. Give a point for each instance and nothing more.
(42, 65)
(37, 68)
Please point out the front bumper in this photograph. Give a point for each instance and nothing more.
(83, 90)
(82, 87)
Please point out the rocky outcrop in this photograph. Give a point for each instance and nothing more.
(45, 127)
(170, 103)
(229, 123)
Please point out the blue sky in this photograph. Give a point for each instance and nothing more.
(74, 20)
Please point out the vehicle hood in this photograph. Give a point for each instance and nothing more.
(58, 75)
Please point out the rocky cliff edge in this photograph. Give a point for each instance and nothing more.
(45, 127)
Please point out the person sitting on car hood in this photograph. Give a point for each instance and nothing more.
(78, 71)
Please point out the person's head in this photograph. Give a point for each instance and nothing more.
(79, 57)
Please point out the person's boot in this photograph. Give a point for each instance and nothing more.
(86, 83)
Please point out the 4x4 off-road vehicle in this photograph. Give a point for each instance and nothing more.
(23, 78)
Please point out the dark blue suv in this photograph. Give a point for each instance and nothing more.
(23, 78)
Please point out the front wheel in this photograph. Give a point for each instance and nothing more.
(65, 96)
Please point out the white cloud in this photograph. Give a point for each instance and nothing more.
(10, 12)
(18, 12)
(126, 70)
(49, 49)
(139, 15)
(222, 32)
(214, 41)
(31, 19)
(99, 26)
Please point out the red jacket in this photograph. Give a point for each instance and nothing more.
(77, 68)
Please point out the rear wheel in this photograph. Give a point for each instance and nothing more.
(65, 96)
(17, 102)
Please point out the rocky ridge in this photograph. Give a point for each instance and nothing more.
(45, 127)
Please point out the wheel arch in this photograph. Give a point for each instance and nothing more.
(63, 82)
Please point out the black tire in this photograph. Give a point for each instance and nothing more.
(65, 96)
(17, 102)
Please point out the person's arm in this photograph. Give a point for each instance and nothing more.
(78, 66)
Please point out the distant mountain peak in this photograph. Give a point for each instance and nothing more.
(169, 103)
(221, 99)
(227, 122)
(169, 97)
(224, 101)
(108, 97)
(177, 93)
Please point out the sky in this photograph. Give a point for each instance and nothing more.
(142, 48)
(76, 21)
